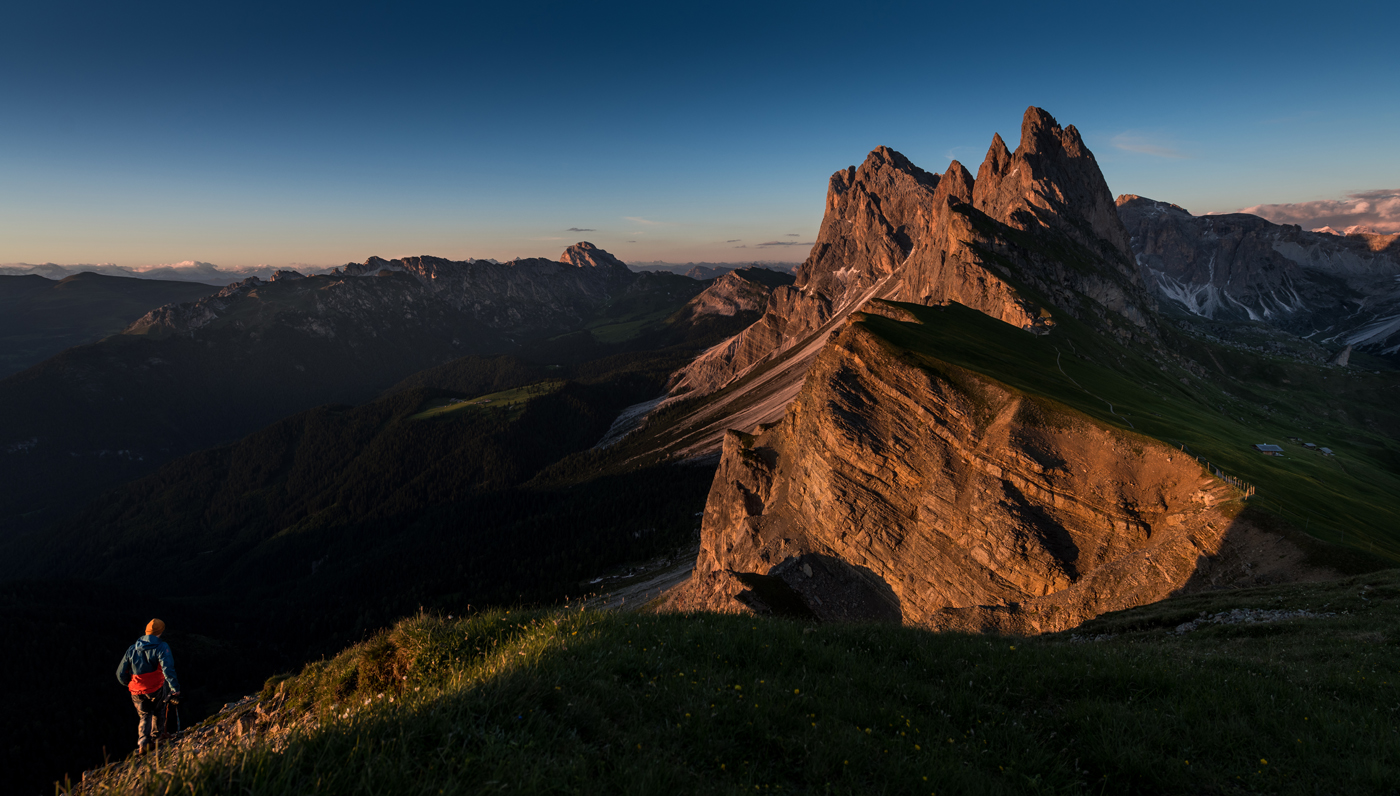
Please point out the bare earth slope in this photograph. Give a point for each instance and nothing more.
(913, 490)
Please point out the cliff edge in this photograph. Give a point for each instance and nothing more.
(901, 487)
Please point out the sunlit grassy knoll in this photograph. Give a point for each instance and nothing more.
(512, 400)
(583, 702)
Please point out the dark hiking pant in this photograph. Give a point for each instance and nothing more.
(150, 712)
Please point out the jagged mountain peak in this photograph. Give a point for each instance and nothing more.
(892, 230)
(997, 161)
(956, 183)
(882, 158)
(886, 199)
(1051, 180)
(1041, 134)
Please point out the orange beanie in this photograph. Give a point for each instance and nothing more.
(155, 627)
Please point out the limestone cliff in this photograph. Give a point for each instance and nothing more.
(940, 497)
(1036, 226)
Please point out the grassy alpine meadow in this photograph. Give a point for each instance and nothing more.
(1302, 700)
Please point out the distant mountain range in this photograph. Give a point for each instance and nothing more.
(1336, 290)
(710, 270)
(211, 274)
(188, 271)
(186, 376)
(39, 317)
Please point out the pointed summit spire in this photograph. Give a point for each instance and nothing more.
(956, 183)
(1051, 180)
(997, 161)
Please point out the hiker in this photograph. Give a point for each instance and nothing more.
(148, 671)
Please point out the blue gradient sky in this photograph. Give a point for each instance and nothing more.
(155, 133)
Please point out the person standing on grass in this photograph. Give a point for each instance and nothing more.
(148, 672)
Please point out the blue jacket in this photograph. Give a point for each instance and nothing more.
(148, 666)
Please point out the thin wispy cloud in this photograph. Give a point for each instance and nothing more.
(644, 221)
(793, 235)
(783, 243)
(579, 229)
(1145, 145)
(736, 240)
(1377, 211)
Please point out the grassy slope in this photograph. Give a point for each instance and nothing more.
(575, 702)
(1353, 498)
(511, 401)
(395, 511)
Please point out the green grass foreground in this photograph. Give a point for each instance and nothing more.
(585, 702)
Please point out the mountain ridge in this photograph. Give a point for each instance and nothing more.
(878, 478)
(188, 376)
(1240, 267)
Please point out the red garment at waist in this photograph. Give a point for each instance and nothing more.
(147, 683)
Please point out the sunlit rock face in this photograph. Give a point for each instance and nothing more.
(1337, 290)
(946, 500)
(892, 230)
(735, 293)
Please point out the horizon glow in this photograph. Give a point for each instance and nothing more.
(328, 133)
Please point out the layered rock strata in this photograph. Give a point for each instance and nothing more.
(1033, 235)
(939, 497)
(892, 230)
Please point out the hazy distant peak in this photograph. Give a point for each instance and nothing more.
(1354, 229)
(1133, 201)
(184, 271)
(583, 254)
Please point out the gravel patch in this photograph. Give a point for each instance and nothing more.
(1248, 616)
